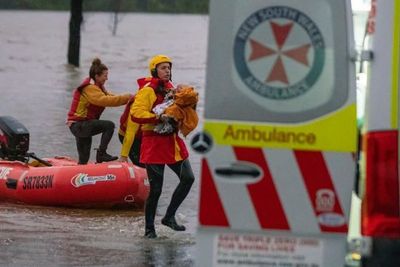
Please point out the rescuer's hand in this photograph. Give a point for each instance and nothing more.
(123, 159)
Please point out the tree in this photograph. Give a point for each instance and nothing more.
(75, 32)
(116, 8)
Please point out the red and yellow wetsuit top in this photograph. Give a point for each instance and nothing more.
(155, 148)
(129, 129)
(89, 101)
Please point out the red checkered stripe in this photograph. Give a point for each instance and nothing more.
(298, 191)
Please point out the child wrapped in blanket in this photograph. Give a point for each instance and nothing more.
(178, 111)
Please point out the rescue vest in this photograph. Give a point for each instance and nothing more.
(157, 85)
(92, 111)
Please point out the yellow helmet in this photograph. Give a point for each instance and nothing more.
(157, 60)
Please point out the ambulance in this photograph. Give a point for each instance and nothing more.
(279, 134)
(379, 172)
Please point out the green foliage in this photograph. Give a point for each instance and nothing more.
(35, 4)
(156, 6)
(178, 6)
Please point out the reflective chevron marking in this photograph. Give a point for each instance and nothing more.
(298, 191)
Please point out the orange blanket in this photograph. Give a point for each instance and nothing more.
(183, 110)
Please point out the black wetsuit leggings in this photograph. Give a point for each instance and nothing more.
(155, 173)
(83, 132)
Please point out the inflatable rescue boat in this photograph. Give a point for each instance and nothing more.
(60, 181)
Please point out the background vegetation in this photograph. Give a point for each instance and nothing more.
(156, 6)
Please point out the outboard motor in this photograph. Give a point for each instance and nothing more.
(14, 139)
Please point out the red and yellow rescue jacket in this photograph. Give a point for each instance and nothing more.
(129, 126)
(155, 148)
(89, 101)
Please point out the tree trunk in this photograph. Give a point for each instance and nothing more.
(75, 32)
(116, 9)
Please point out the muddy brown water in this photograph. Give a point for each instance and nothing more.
(36, 88)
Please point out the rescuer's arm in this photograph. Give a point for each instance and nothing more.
(97, 97)
(131, 130)
(141, 108)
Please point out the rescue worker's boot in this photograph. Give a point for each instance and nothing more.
(171, 223)
(102, 156)
(150, 233)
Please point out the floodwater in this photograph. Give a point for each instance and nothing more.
(36, 87)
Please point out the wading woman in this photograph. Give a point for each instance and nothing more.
(158, 150)
(88, 103)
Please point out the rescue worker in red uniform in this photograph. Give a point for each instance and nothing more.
(129, 132)
(158, 150)
(88, 103)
